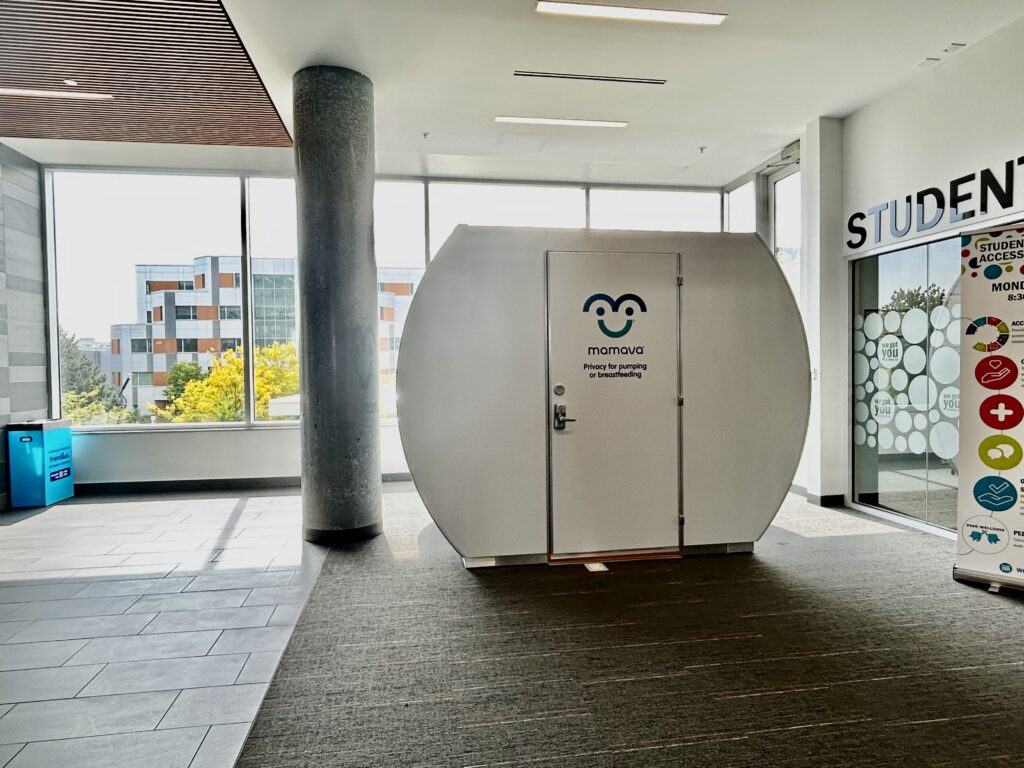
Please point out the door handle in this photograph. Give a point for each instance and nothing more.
(560, 419)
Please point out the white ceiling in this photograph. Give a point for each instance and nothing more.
(444, 67)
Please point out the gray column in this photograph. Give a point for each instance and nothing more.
(334, 170)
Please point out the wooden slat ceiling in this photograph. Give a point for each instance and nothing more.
(176, 69)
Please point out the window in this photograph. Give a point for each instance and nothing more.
(398, 211)
(741, 208)
(185, 312)
(142, 345)
(226, 344)
(188, 345)
(124, 243)
(503, 205)
(906, 381)
(787, 225)
(272, 269)
(231, 312)
(655, 210)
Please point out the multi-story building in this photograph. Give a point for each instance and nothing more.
(191, 313)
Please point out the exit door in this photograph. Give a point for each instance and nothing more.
(613, 394)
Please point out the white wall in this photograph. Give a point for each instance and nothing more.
(203, 454)
(960, 117)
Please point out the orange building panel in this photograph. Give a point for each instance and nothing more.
(159, 378)
(162, 285)
(206, 313)
(165, 346)
(387, 313)
(382, 345)
(115, 346)
(117, 378)
(200, 281)
(398, 289)
(158, 314)
(226, 280)
(209, 345)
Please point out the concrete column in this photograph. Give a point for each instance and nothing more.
(334, 174)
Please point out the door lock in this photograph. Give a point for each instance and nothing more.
(560, 419)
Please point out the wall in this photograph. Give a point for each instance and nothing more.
(160, 455)
(960, 117)
(24, 389)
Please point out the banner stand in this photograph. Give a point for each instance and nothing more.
(990, 500)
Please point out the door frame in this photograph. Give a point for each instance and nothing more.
(548, 406)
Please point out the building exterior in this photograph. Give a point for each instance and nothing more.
(191, 313)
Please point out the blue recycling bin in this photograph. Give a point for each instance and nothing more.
(40, 462)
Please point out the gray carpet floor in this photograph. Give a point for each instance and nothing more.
(840, 642)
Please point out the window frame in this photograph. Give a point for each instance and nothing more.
(244, 281)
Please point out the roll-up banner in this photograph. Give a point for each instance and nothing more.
(990, 508)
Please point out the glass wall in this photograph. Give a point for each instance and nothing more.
(157, 311)
(146, 264)
(273, 250)
(786, 228)
(906, 369)
(502, 205)
(655, 210)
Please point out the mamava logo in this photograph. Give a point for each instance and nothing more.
(613, 305)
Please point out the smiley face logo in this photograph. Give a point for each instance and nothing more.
(607, 306)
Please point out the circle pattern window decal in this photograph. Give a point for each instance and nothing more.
(1002, 331)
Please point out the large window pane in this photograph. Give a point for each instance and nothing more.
(140, 259)
(741, 208)
(656, 210)
(906, 336)
(787, 229)
(502, 205)
(272, 272)
(400, 244)
(398, 226)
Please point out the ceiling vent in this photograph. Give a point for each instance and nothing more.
(927, 62)
(597, 78)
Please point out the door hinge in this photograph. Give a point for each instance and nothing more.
(679, 279)
(680, 401)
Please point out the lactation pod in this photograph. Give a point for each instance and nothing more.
(570, 395)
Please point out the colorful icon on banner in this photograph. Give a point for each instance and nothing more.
(996, 372)
(985, 534)
(1000, 452)
(1002, 333)
(994, 493)
(1001, 412)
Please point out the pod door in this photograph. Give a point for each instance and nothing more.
(614, 414)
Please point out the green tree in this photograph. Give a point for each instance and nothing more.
(79, 374)
(178, 378)
(86, 397)
(904, 299)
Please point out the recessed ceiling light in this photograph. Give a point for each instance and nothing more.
(71, 82)
(628, 13)
(34, 93)
(561, 121)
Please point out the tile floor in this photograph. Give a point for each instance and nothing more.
(143, 632)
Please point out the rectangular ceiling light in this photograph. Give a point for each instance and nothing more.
(561, 121)
(595, 78)
(627, 13)
(40, 94)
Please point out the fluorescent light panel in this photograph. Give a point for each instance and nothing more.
(39, 94)
(595, 78)
(626, 13)
(561, 121)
